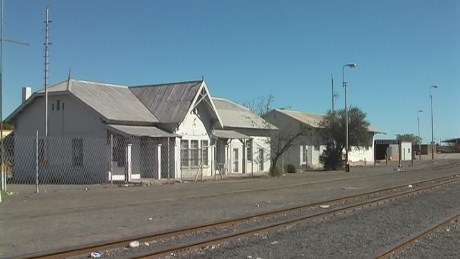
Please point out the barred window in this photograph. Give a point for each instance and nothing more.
(41, 151)
(119, 154)
(194, 158)
(249, 150)
(184, 153)
(77, 152)
(204, 152)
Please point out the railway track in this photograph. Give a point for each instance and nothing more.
(411, 240)
(169, 242)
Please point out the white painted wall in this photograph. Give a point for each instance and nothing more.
(406, 151)
(197, 125)
(69, 120)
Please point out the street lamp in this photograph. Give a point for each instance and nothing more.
(347, 165)
(432, 131)
(419, 139)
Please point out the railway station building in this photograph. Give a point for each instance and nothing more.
(94, 132)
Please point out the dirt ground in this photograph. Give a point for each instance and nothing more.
(56, 217)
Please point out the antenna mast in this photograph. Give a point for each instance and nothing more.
(333, 96)
(47, 43)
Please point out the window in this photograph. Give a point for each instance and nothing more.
(184, 153)
(52, 107)
(194, 155)
(77, 152)
(41, 151)
(304, 151)
(249, 150)
(119, 155)
(58, 105)
(261, 159)
(204, 152)
(316, 147)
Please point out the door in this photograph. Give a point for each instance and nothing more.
(235, 160)
(261, 159)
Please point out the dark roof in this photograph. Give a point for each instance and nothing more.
(171, 102)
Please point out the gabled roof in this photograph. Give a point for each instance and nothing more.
(311, 119)
(113, 102)
(234, 115)
(171, 102)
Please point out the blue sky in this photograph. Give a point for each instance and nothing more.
(251, 49)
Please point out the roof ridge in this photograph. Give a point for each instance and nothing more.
(95, 82)
(166, 84)
(303, 112)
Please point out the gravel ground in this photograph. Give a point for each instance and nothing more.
(359, 235)
(58, 219)
(435, 246)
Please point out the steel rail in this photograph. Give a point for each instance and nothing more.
(108, 245)
(411, 240)
(263, 229)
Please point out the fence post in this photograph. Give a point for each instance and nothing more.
(111, 160)
(128, 163)
(169, 176)
(36, 163)
(159, 161)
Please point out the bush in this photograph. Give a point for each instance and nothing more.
(277, 171)
(331, 158)
(291, 169)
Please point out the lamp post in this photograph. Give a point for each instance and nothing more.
(432, 131)
(419, 139)
(347, 165)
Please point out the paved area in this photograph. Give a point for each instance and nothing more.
(56, 218)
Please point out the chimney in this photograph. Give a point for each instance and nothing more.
(26, 93)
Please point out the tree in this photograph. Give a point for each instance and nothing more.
(280, 140)
(333, 133)
(409, 138)
(261, 105)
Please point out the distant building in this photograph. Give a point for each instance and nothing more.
(454, 144)
(308, 148)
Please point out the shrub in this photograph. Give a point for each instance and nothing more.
(331, 158)
(291, 169)
(277, 171)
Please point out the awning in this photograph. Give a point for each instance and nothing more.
(229, 134)
(141, 131)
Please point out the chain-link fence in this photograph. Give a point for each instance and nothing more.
(32, 163)
(35, 163)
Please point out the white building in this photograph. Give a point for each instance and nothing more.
(99, 132)
(306, 150)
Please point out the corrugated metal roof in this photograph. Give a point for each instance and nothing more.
(114, 102)
(314, 120)
(237, 116)
(310, 119)
(168, 102)
(229, 134)
(141, 131)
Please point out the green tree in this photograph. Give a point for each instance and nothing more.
(409, 138)
(333, 133)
